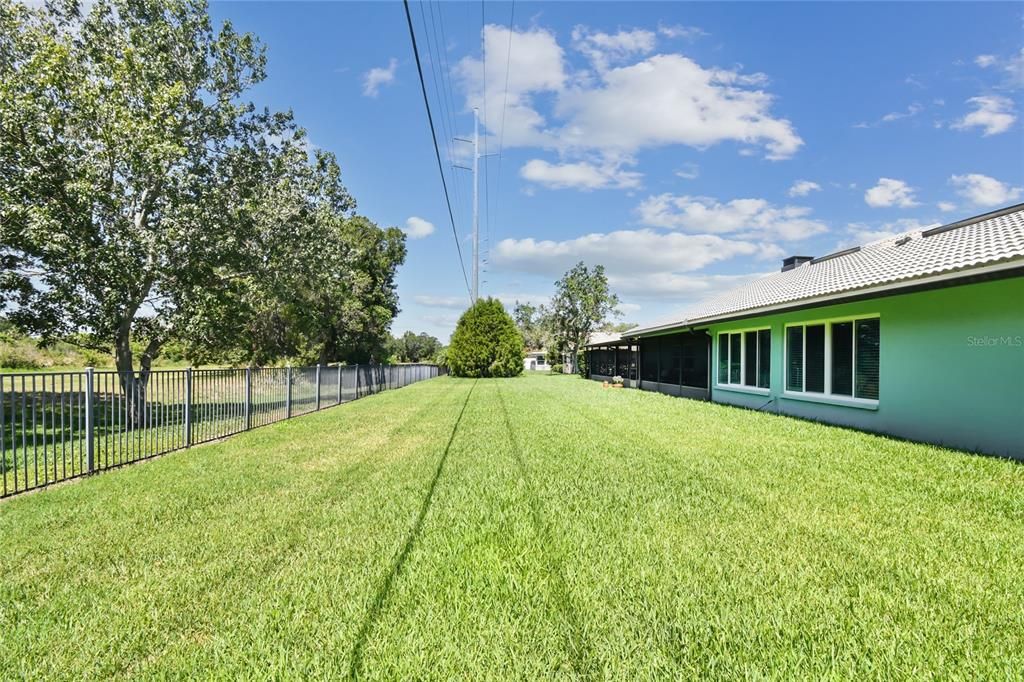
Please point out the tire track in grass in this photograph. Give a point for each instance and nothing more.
(155, 543)
(584, 658)
(336, 487)
(373, 615)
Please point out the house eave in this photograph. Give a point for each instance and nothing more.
(1012, 267)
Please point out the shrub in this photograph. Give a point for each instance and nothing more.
(486, 343)
(557, 368)
(15, 359)
(581, 364)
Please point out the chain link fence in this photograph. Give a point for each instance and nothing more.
(55, 426)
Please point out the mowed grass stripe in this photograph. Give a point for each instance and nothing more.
(749, 562)
(573, 532)
(581, 647)
(477, 599)
(396, 566)
(325, 586)
(191, 565)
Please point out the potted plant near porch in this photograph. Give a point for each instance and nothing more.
(617, 381)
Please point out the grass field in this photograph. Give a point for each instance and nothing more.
(538, 527)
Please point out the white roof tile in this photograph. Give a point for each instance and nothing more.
(597, 338)
(985, 240)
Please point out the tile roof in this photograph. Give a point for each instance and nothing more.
(985, 240)
(598, 338)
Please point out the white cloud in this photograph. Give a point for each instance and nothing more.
(746, 218)
(621, 252)
(603, 49)
(1014, 69)
(802, 188)
(982, 190)
(662, 100)
(379, 76)
(689, 171)
(680, 31)
(630, 308)
(890, 192)
(537, 66)
(582, 175)
(444, 321)
(642, 263)
(667, 285)
(453, 302)
(993, 113)
(670, 99)
(418, 228)
(913, 110)
(510, 299)
(861, 234)
(946, 206)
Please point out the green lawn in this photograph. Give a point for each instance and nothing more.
(539, 527)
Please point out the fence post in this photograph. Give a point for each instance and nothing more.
(318, 386)
(248, 398)
(90, 426)
(288, 393)
(339, 384)
(357, 382)
(188, 407)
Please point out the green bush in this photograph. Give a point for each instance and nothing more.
(557, 368)
(486, 343)
(14, 359)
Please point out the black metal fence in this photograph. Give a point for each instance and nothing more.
(61, 425)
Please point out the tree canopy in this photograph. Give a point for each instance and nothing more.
(534, 323)
(486, 343)
(413, 347)
(582, 301)
(145, 201)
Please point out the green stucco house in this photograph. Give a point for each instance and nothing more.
(919, 336)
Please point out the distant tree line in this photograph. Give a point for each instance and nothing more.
(413, 347)
(145, 203)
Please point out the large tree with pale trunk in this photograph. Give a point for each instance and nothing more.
(140, 190)
(581, 302)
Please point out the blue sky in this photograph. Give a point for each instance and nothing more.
(686, 147)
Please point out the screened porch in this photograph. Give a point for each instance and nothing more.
(676, 364)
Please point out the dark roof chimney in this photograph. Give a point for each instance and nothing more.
(794, 261)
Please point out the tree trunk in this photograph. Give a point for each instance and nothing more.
(132, 389)
(134, 384)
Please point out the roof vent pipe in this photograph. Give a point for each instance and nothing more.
(795, 261)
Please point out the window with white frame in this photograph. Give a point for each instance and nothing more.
(834, 358)
(745, 358)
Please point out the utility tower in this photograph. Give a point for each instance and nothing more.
(476, 199)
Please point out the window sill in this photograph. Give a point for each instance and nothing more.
(743, 389)
(858, 403)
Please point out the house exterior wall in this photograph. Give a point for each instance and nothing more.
(535, 362)
(951, 367)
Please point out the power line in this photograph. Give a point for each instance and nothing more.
(487, 127)
(447, 120)
(437, 151)
(504, 108)
(446, 87)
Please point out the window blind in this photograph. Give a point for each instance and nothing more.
(794, 358)
(764, 354)
(750, 358)
(867, 359)
(842, 358)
